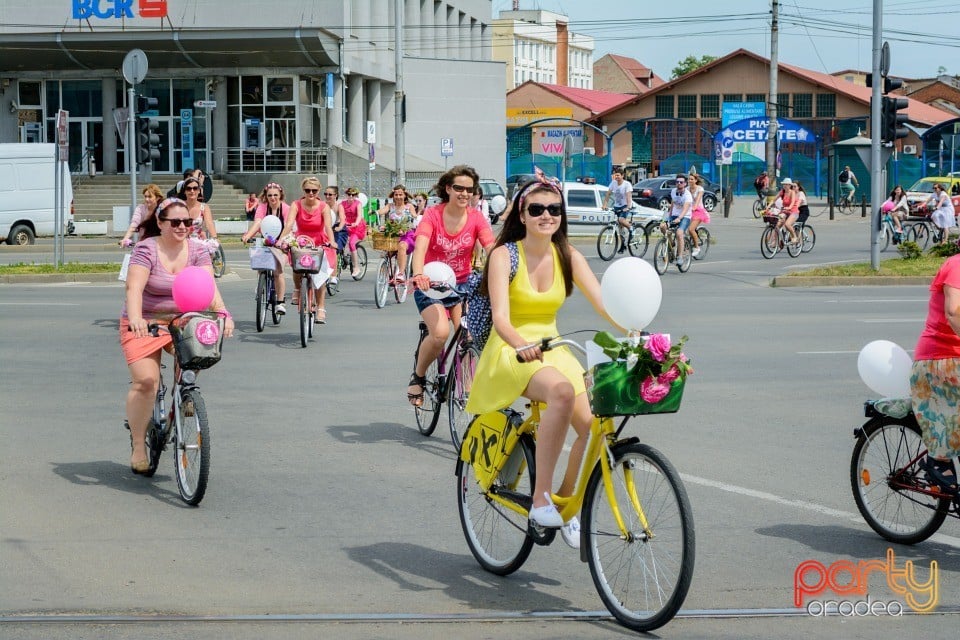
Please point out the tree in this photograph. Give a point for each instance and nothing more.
(690, 63)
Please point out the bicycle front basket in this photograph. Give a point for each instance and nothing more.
(306, 259)
(197, 339)
(614, 390)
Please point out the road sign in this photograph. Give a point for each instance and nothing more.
(205, 104)
(63, 135)
(446, 147)
(371, 132)
(134, 66)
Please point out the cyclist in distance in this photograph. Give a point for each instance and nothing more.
(166, 250)
(622, 193)
(356, 227)
(698, 213)
(151, 198)
(898, 208)
(791, 209)
(681, 210)
(943, 214)
(848, 183)
(447, 233)
(761, 184)
(524, 310)
(400, 209)
(272, 204)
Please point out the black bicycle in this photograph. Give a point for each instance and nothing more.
(345, 265)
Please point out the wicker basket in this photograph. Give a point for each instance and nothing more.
(385, 243)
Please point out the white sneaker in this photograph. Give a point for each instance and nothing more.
(696, 252)
(679, 262)
(334, 280)
(570, 532)
(281, 310)
(547, 515)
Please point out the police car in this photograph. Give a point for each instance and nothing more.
(585, 205)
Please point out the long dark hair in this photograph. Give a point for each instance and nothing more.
(447, 179)
(182, 194)
(151, 227)
(514, 231)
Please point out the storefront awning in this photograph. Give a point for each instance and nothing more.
(186, 49)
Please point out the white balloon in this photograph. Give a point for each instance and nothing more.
(884, 366)
(497, 204)
(631, 293)
(362, 197)
(271, 226)
(442, 273)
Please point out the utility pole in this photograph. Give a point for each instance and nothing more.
(771, 148)
(399, 100)
(876, 168)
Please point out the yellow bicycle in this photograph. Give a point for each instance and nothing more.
(637, 533)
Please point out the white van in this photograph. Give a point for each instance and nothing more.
(27, 188)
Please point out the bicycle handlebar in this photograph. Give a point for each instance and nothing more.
(547, 344)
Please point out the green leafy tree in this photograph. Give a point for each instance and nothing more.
(690, 63)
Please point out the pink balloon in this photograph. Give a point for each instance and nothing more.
(193, 289)
(887, 206)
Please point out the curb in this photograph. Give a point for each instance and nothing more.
(84, 278)
(847, 281)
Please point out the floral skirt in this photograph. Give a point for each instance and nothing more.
(935, 391)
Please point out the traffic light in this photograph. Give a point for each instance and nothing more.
(145, 104)
(148, 140)
(891, 121)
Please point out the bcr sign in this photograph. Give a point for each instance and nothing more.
(84, 9)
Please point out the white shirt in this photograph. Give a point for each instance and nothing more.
(679, 200)
(622, 194)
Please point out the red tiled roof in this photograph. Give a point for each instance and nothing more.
(636, 70)
(916, 111)
(591, 99)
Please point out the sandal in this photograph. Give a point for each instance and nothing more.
(321, 315)
(942, 474)
(416, 399)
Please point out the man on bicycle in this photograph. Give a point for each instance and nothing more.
(848, 183)
(681, 211)
(622, 192)
(761, 184)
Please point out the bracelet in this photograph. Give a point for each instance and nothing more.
(223, 313)
(416, 275)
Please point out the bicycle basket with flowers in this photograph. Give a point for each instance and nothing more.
(645, 374)
(389, 238)
(304, 255)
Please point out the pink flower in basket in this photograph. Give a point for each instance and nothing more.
(653, 391)
(207, 332)
(304, 241)
(658, 345)
(669, 375)
(306, 261)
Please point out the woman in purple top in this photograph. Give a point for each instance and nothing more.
(153, 266)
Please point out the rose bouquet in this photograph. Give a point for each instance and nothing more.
(646, 374)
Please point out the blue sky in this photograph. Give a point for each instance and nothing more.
(815, 34)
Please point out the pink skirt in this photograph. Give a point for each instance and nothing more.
(701, 214)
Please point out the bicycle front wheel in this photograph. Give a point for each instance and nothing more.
(638, 241)
(920, 234)
(703, 234)
(885, 483)
(361, 265)
(608, 241)
(886, 233)
(642, 574)
(661, 256)
(460, 383)
(497, 536)
(769, 242)
(192, 447)
(809, 238)
(428, 412)
(382, 284)
(261, 313)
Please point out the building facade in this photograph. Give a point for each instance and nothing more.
(248, 88)
(537, 45)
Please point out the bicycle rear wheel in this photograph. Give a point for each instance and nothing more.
(261, 299)
(919, 233)
(769, 242)
(809, 238)
(642, 577)
(885, 484)
(191, 447)
(758, 206)
(155, 443)
(638, 241)
(793, 249)
(661, 256)
(497, 536)
(382, 284)
(608, 242)
(703, 234)
(428, 413)
(361, 265)
(306, 295)
(461, 380)
(219, 260)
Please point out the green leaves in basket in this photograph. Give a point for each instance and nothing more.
(395, 228)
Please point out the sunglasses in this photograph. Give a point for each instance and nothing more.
(330, 195)
(178, 222)
(680, 183)
(536, 209)
(311, 191)
(273, 195)
(192, 189)
(459, 188)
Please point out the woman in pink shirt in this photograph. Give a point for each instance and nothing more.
(933, 379)
(447, 233)
(156, 260)
(272, 204)
(791, 208)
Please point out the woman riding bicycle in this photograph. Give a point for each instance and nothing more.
(191, 192)
(165, 251)
(944, 215)
(897, 207)
(791, 209)
(272, 204)
(524, 310)
(151, 198)
(352, 222)
(698, 213)
(311, 218)
(447, 233)
(401, 210)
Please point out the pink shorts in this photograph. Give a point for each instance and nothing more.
(408, 239)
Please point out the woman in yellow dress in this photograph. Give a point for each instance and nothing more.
(523, 311)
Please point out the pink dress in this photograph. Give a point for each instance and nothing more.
(700, 213)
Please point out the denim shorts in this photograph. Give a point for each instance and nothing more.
(684, 223)
(622, 212)
(423, 301)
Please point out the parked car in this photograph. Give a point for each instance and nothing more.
(517, 180)
(491, 188)
(922, 190)
(655, 192)
(585, 205)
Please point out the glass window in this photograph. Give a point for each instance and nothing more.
(280, 89)
(159, 89)
(803, 105)
(686, 106)
(185, 93)
(710, 106)
(756, 97)
(28, 94)
(783, 104)
(826, 105)
(252, 89)
(582, 198)
(664, 107)
(733, 97)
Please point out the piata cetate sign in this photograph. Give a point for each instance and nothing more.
(118, 9)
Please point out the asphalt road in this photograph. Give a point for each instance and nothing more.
(329, 515)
